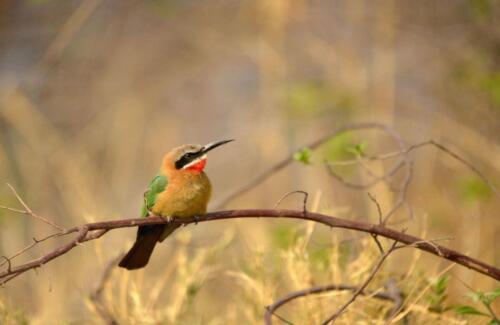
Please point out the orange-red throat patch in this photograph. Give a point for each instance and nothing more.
(199, 166)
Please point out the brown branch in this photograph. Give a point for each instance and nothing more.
(402, 192)
(413, 147)
(25, 249)
(8, 275)
(369, 184)
(466, 163)
(363, 286)
(259, 179)
(390, 295)
(376, 179)
(330, 221)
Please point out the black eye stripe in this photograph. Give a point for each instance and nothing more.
(186, 159)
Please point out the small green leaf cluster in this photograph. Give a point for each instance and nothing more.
(484, 298)
(358, 149)
(437, 295)
(303, 156)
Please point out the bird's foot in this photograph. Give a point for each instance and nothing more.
(168, 219)
(196, 219)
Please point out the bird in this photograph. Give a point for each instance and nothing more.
(180, 189)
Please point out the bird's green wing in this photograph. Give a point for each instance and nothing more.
(156, 186)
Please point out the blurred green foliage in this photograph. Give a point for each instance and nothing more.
(358, 149)
(437, 294)
(473, 189)
(481, 8)
(40, 2)
(484, 298)
(315, 99)
(345, 253)
(167, 8)
(10, 314)
(283, 236)
(339, 148)
(321, 258)
(479, 76)
(469, 310)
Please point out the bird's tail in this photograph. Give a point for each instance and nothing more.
(138, 256)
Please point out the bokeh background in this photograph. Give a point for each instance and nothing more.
(94, 92)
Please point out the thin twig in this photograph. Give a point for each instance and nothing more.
(35, 242)
(27, 210)
(376, 179)
(402, 192)
(9, 265)
(379, 209)
(363, 286)
(8, 275)
(410, 148)
(271, 309)
(272, 312)
(259, 179)
(304, 203)
(96, 295)
(431, 242)
(377, 242)
(12, 209)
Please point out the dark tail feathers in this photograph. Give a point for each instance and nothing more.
(138, 256)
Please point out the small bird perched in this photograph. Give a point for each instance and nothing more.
(180, 189)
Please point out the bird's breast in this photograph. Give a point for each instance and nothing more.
(185, 195)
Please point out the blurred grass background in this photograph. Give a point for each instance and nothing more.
(93, 93)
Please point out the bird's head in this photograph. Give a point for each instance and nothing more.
(190, 157)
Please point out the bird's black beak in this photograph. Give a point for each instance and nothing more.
(214, 145)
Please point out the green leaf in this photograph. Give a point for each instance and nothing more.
(358, 149)
(437, 296)
(469, 310)
(475, 296)
(335, 149)
(489, 297)
(441, 284)
(303, 156)
(494, 322)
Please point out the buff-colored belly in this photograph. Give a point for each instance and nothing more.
(184, 196)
